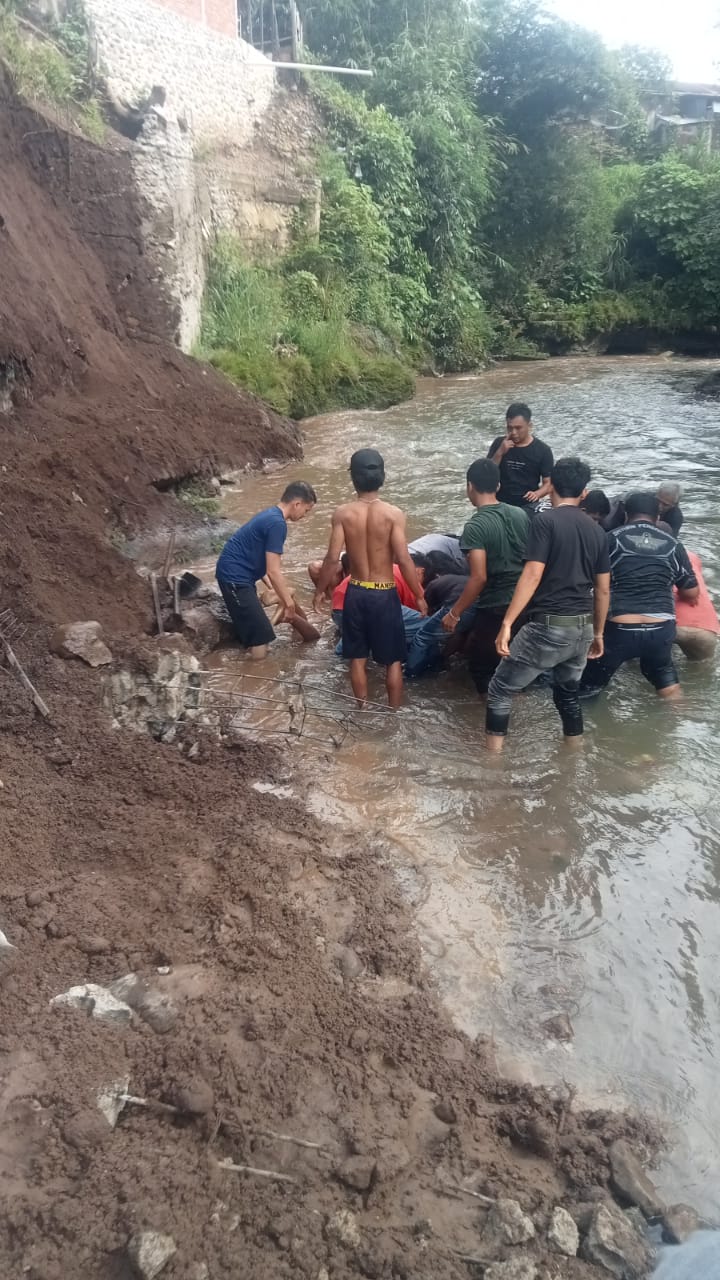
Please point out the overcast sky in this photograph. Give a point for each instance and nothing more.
(685, 31)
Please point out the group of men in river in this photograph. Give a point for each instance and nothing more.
(548, 582)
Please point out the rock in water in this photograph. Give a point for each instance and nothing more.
(630, 1181)
(679, 1222)
(506, 1224)
(613, 1243)
(81, 640)
(559, 1028)
(513, 1269)
(150, 1252)
(563, 1235)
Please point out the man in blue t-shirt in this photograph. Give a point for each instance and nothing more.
(253, 552)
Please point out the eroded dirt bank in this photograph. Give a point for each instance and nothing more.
(292, 1000)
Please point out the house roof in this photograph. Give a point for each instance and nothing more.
(680, 120)
(687, 89)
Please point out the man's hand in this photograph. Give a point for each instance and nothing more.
(533, 495)
(597, 648)
(506, 444)
(502, 643)
(288, 612)
(319, 601)
(421, 603)
(450, 621)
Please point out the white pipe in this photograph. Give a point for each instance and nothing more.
(314, 66)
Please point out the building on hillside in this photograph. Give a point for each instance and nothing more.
(685, 115)
(216, 15)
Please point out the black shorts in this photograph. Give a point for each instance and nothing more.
(251, 623)
(373, 625)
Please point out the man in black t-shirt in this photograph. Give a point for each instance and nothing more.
(525, 462)
(646, 562)
(565, 588)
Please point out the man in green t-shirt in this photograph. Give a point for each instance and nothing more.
(494, 541)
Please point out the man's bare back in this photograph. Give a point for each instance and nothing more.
(373, 532)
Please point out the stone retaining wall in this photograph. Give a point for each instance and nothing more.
(220, 146)
(218, 87)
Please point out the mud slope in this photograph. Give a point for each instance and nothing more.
(96, 416)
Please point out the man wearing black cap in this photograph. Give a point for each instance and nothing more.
(373, 534)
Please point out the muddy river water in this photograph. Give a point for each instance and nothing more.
(542, 883)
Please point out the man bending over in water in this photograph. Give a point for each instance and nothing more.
(373, 534)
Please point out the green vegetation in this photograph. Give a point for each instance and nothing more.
(53, 67)
(196, 495)
(306, 341)
(492, 191)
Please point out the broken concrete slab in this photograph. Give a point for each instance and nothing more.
(97, 1001)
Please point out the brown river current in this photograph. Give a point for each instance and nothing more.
(541, 883)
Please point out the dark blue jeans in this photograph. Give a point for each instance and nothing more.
(537, 647)
(651, 642)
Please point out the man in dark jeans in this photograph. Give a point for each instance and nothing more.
(645, 564)
(565, 587)
(494, 541)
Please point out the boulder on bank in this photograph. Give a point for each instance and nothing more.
(81, 640)
(614, 1243)
(630, 1181)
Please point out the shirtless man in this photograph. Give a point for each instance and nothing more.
(373, 533)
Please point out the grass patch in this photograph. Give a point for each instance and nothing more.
(287, 336)
(54, 67)
(193, 494)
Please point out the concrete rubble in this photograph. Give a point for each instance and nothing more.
(81, 640)
(97, 1001)
(506, 1224)
(563, 1234)
(614, 1243)
(150, 1252)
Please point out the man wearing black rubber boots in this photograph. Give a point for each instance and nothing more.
(565, 588)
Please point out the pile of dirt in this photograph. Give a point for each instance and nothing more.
(285, 1014)
(94, 419)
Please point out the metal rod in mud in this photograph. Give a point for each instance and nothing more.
(156, 602)
(25, 680)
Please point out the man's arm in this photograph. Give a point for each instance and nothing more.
(497, 452)
(527, 585)
(329, 564)
(601, 604)
(477, 559)
(684, 577)
(534, 495)
(546, 466)
(273, 569)
(401, 557)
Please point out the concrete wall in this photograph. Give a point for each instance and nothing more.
(220, 145)
(218, 15)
